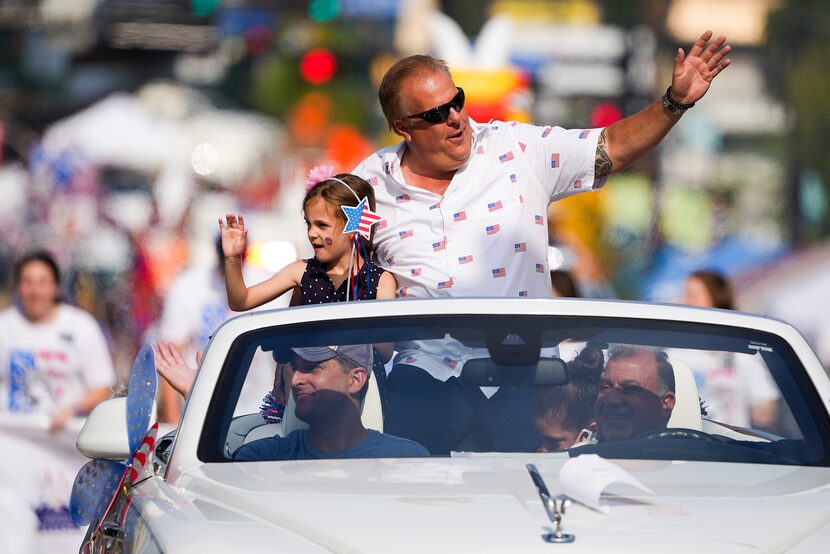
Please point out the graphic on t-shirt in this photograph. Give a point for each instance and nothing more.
(21, 364)
(27, 387)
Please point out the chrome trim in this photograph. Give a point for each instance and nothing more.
(555, 508)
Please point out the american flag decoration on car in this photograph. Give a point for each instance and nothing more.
(142, 466)
(98, 482)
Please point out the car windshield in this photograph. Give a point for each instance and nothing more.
(473, 385)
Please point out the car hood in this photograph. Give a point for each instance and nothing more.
(488, 504)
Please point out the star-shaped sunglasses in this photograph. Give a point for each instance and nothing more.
(439, 114)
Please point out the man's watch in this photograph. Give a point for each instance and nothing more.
(673, 106)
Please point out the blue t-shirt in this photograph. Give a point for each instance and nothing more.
(296, 447)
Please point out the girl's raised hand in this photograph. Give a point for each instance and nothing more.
(234, 235)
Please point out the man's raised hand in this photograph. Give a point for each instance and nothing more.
(693, 73)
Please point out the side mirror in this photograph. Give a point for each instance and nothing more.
(104, 435)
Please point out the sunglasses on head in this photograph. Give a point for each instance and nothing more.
(439, 114)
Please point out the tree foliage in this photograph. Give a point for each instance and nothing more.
(798, 42)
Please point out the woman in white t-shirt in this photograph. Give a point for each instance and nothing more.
(735, 388)
(54, 359)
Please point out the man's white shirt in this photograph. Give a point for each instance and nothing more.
(488, 234)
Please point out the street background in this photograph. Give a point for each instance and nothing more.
(127, 127)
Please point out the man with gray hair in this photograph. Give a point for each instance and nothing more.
(636, 393)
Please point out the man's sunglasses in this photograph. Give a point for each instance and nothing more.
(439, 114)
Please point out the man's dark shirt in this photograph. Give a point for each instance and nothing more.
(296, 447)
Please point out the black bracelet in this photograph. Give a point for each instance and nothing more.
(675, 103)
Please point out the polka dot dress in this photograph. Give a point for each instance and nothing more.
(316, 286)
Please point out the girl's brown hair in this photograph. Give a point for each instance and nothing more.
(336, 195)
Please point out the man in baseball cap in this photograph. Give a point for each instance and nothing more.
(328, 384)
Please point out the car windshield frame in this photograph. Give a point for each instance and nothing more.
(796, 387)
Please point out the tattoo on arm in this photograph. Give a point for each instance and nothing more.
(603, 165)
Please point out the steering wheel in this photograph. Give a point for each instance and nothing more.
(677, 433)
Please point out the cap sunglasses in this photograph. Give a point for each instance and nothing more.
(439, 114)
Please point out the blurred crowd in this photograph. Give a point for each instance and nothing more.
(127, 128)
(124, 189)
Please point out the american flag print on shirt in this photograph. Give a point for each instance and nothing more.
(493, 206)
(390, 261)
(540, 268)
(435, 206)
(498, 272)
(445, 284)
(440, 245)
(538, 220)
(465, 259)
(415, 271)
(402, 198)
(520, 247)
(373, 181)
(506, 157)
(554, 160)
(449, 362)
(492, 229)
(405, 234)
(513, 178)
(523, 293)
(522, 146)
(382, 224)
(584, 133)
(402, 292)
(459, 216)
(546, 132)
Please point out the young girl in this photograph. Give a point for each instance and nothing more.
(340, 270)
(341, 260)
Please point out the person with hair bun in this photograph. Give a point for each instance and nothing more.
(564, 414)
(54, 359)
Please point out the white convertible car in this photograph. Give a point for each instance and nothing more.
(720, 418)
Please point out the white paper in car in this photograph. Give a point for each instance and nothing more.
(584, 477)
